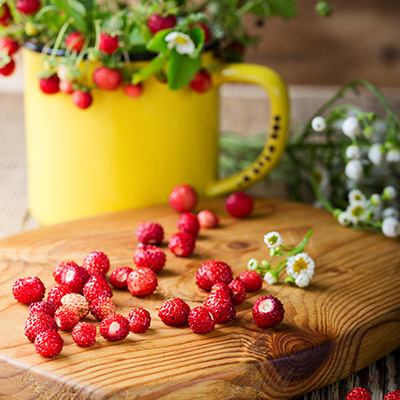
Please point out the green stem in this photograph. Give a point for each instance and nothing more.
(300, 247)
(60, 37)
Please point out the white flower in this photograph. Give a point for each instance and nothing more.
(356, 197)
(393, 156)
(300, 263)
(344, 219)
(273, 239)
(389, 193)
(182, 43)
(354, 170)
(356, 213)
(302, 280)
(252, 265)
(353, 152)
(351, 127)
(376, 154)
(318, 124)
(270, 278)
(391, 227)
(375, 199)
(390, 212)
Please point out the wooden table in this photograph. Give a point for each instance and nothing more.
(380, 377)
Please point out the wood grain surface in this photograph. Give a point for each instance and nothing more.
(348, 318)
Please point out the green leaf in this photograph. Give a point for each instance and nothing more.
(158, 43)
(197, 35)
(181, 69)
(284, 8)
(136, 38)
(75, 10)
(154, 66)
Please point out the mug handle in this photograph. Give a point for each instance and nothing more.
(279, 124)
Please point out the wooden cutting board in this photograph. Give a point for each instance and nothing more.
(348, 318)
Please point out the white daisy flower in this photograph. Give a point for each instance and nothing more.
(302, 280)
(181, 42)
(252, 265)
(273, 240)
(351, 127)
(344, 219)
(356, 213)
(356, 197)
(375, 199)
(353, 152)
(390, 212)
(376, 154)
(300, 263)
(270, 278)
(354, 170)
(389, 193)
(393, 156)
(318, 124)
(391, 227)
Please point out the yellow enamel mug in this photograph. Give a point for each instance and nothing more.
(126, 153)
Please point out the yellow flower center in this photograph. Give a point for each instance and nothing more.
(299, 265)
(272, 240)
(181, 40)
(357, 211)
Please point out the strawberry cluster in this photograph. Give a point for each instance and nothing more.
(359, 393)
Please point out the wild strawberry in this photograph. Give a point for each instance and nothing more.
(393, 395)
(108, 44)
(28, 7)
(201, 320)
(183, 198)
(96, 263)
(182, 244)
(5, 15)
(238, 292)
(78, 302)
(39, 322)
(239, 204)
(174, 312)
(66, 87)
(50, 85)
(142, 281)
(84, 334)
(221, 287)
(221, 307)
(358, 393)
(49, 344)
(201, 82)
(8, 69)
(58, 269)
(132, 90)
(107, 78)
(8, 45)
(139, 320)
(207, 219)
(81, 99)
(114, 327)
(150, 256)
(150, 233)
(75, 41)
(157, 22)
(268, 311)
(211, 272)
(28, 290)
(119, 277)
(95, 287)
(205, 28)
(102, 307)
(75, 277)
(251, 280)
(66, 317)
(42, 307)
(56, 293)
(188, 223)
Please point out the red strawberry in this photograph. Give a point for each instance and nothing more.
(28, 7)
(114, 327)
(28, 290)
(157, 22)
(95, 287)
(268, 311)
(81, 99)
(108, 44)
(5, 15)
(182, 244)
(78, 302)
(174, 312)
(96, 263)
(206, 30)
(211, 272)
(221, 307)
(221, 287)
(132, 90)
(358, 393)
(201, 82)
(56, 293)
(37, 323)
(59, 267)
(393, 395)
(50, 85)
(139, 320)
(84, 334)
(66, 317)
(251, 280)
(183, 198)
(49, 344)
(107, 78)
(8, 69)
(238, 292)
(150, 233)
(8, 45)
(102, 307)
(201, 320)
(239, 204)
(42, 307)
(75, 41)
(119, 277)
(207, 219)
(188, 223)
(150, 256)
(75, 277)
(142, 281)
(66, 87)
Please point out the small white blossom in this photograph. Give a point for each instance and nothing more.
(393, 156)
(356, 213)
(302, 280)
(300, 263)
(376, 154)
(273, 240)
(351, 127)
(353, 152)
(356, 197)
(252, 265)
(270, 278)
(354, 170)
(389, 193)
(375, 199)
(391, 227)
(318, 124)
(390, 212)
(344, 219)
(181, 42)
